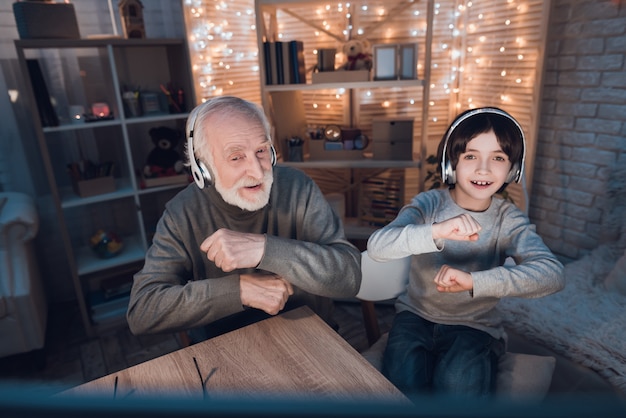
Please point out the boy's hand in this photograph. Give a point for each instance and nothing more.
(452, 280)
(459, 228)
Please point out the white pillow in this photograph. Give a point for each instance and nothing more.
(520, 376)
(524, 376)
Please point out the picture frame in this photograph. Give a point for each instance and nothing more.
(385, 62)
(407, 64)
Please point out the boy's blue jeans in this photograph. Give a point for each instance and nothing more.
(423, 357)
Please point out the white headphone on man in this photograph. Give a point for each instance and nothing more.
(448, 174)
(200, 172)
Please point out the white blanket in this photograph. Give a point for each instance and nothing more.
(584, 322)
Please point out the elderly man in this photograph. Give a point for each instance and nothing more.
(247, 241)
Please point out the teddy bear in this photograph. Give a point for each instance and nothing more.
(163, 160)
(358, 55)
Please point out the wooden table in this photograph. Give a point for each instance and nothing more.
(292, 354)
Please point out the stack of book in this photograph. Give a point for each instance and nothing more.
(284, 62)
(110, 302)
(105, 309)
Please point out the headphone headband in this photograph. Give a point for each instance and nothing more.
(200, 172)
(448, 174)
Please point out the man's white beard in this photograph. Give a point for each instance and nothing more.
(231, 195)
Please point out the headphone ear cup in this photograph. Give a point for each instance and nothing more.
(205, 172)
(449, 175)
(273, 154)
(514, 174)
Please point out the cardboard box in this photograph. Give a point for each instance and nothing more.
(45, 20)
(93, 187)
(392, 139)
(317, 152)
(340, 76)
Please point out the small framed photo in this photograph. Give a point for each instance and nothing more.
(407, 64)
(385, 62)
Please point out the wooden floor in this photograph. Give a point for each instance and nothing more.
(70, 358)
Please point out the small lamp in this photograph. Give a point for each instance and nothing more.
(100, 110)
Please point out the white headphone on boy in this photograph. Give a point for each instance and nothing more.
(448, 174)
(200, 172)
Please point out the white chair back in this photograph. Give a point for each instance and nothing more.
(383, 280)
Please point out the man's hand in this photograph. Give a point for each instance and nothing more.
(264, 291)
(459, 228)
(452, 280)
(231, 250)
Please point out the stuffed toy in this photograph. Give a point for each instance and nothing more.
(358, 55)
(163, 160)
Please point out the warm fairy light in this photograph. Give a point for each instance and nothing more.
(469, 50)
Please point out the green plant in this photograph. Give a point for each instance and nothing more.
(433, 176)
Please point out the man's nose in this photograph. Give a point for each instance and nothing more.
(255, 167)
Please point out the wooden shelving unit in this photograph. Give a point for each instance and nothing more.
(289, 105)
(82, 72)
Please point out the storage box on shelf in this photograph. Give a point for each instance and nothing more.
(93, 187)
(392, 138)
(340, 76)
(98, 74)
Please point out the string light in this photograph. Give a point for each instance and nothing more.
(477, 42)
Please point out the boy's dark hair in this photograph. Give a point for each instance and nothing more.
(471, 123)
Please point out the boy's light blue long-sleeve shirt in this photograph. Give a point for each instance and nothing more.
(506, 232)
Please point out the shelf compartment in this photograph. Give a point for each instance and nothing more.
(69, 199)
(88, 262)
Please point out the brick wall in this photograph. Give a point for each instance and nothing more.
(582, 137)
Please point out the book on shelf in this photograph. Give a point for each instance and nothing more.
(278, 63)
(272, 61)
(284, 62)
(110, 315)
(267, 59)
(298, 68)
(117, 285)
(287, 63)
(98, 300)
(44, 104)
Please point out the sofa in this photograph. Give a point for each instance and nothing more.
(23, 305)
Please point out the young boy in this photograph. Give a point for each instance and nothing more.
(446, 336)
